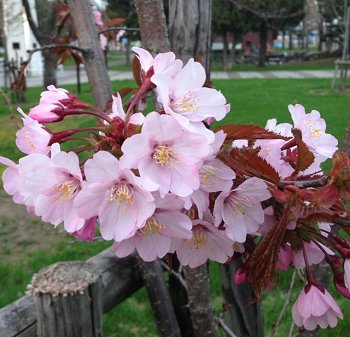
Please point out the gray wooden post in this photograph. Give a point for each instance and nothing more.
(68, 300)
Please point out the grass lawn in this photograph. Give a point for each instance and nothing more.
(252, 101)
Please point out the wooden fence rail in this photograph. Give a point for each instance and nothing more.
(120, 279)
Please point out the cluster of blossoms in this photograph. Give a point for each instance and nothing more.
(165, 183)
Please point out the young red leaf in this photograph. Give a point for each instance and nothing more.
(250, 132)
(339, 175)
(136, 71)
(248, 162)
(305, 156)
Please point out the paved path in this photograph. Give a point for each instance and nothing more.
(68, 76)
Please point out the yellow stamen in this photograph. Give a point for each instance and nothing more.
(66, 190)
(316, 133)
(122, 193)
(199, 237)
(206, 174)
(152, 226)
(187, 103)
(240, 204)
(29, 140)
(163, 155)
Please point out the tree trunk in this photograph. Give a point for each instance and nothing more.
(153, 29)
(201, 307)
(94, 59)
(243, 315)
(263, 44)
(232, 53)
(224, 50)
(50, 77)
(163, 311)
(190, 30)
(46, 13)
(290, 42)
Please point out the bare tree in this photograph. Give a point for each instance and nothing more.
(43, 32)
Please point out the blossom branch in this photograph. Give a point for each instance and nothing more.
(305, 183)
(220, 322)
(173, 272)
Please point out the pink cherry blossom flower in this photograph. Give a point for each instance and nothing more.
(167, 156)
(285, 256)
(118, 111)
(313, 252)
(87, 231)
(115, 196)
(50, 106)
(13, 182)
(56, 185)
(154, 239)
(32, 138)
(161, 63)
(316, 307)
(214, 175)
(206, 243)
(185, 98)
(313, 128)
(347, 273)
(240, 209)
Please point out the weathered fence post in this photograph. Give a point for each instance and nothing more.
(68, 300)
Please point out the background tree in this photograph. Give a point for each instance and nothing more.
(44, 31)
(226, 20)
(271, 14)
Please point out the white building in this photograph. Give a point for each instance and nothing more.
(18, 35)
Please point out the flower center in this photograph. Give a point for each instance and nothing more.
(67, 190)
(152, 226)
(199, 237)
(187, 103)
(122, 193)
(206, 174)
(164, 155)
(316, 133)
(239, 204)
(29, 140)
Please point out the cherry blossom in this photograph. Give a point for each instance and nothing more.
(167, 156)
(240, 209)
(115, 196)
(32, 138)
(50, 106)
(206, 243)
(313, 128)
(316, 307)
(154, 238)
(161, 63)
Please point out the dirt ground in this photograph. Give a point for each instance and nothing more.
(22, 233)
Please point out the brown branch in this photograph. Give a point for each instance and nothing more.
(113, 29)
(305, 183)
(220, 322)
(173, 272)
(60, 24)
(31, 21)
(158, 294)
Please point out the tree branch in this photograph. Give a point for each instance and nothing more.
(113, 29)
(220, 322)
(31, 21)
(305, 183)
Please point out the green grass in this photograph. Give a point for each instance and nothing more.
(252, 101)
(321, 64)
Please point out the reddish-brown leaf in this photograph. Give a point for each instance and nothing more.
(124, 91)
(136, 71)
(248, 162)
(305, 156)
(250, 132)
(115, 22)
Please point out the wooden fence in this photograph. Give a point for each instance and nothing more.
(120, 279)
